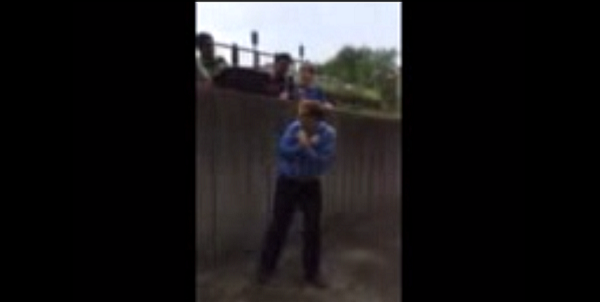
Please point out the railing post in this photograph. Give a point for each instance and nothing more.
(254, 37)
(235, 56)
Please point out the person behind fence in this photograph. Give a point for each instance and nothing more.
(306, 152)
(209, 65)
(308, 89)
(281, 84)
(202, 75)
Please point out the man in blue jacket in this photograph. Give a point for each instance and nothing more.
(305, 152)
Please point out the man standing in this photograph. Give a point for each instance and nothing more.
(209, 65)
(281, 85)
(308, 89)
(305, 152)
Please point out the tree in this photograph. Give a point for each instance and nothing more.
(361, 65)
(366, 67)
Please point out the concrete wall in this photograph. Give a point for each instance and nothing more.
(235, 170)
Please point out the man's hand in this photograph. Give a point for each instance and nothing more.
(303, 139)
(284, 96)
(306, 141)
(315, 139)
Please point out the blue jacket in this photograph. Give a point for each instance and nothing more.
(297, 161)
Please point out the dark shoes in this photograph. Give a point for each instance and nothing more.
(317, 282)
(263, 277)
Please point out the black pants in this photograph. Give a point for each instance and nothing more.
(290, 195)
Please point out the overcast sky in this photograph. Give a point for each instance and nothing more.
(323, 27)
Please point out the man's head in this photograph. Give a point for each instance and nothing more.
(283, 61)
(206, 45)
(310, 113)
(307, 74)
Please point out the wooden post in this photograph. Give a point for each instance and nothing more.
(235, 56)
(254, 37)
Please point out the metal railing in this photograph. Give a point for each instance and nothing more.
(255, 52)
(235, 50)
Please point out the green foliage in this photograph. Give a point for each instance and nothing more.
(372, 74)
(361, 66)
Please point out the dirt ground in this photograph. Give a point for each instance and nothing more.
(361, 261)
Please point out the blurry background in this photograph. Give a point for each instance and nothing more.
(357, 46)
